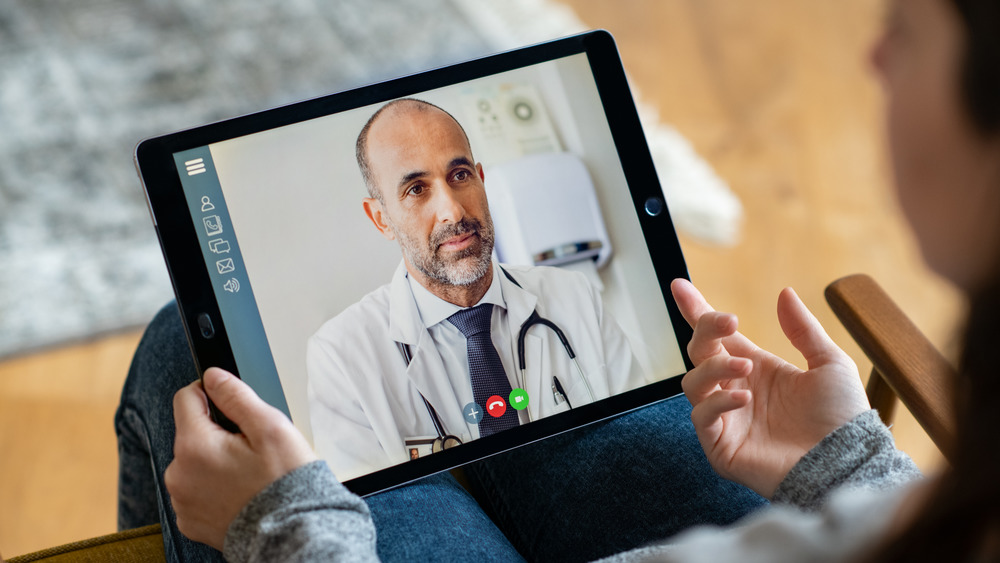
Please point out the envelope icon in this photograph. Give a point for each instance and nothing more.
(225, 265)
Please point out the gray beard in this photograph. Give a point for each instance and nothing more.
(459, 271)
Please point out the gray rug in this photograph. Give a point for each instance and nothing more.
(81, 82)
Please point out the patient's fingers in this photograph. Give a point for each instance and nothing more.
(706, 415)
(707, 378)
(693, 307)
(709, 331)
(190, 407)
(689, 300)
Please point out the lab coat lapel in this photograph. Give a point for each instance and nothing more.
(426, 370)
(404, 317)
(520, 303)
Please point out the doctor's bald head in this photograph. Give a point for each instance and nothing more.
(427, 192)
(389, 111)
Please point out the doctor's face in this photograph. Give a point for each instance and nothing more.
(433, 201)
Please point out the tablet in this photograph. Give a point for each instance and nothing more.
(431, 270)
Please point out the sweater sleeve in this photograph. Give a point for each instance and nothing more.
(308, 516)
(304, 516)
(858, 455)
(834, 505)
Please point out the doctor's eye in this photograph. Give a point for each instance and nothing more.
(461, 175)
(416, 189)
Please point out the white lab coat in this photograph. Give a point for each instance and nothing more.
(365, 402)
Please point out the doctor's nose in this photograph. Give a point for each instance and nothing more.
(448, 208)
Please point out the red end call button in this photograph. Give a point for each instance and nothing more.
(496, 406)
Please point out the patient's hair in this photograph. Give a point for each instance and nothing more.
(961, 520)
(361, 147)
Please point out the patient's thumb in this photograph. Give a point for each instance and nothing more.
(234, 398)
(802, 329)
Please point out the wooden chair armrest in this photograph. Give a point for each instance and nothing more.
(911, 366)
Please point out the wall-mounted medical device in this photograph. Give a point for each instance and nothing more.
(545, 211)
(507, 121)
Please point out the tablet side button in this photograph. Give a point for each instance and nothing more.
(205, 326)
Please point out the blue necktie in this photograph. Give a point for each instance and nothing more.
(485, 370)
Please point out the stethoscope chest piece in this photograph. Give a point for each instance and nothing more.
(447, 442)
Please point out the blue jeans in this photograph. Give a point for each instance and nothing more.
(599, 490)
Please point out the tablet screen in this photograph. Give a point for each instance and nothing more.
(418, 274)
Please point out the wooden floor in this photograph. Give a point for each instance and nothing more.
(776, 94)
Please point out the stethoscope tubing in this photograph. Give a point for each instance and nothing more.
(444, 441)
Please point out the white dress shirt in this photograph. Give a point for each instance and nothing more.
(453, 346)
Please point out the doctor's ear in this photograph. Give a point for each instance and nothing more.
(482, 175)
(375, 212)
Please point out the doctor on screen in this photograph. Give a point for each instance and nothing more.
(431, 360)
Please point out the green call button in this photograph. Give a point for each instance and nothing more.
(519, 399)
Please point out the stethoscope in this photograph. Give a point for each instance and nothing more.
(445, 441)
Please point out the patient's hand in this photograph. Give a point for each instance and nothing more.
(215, 473)
(755, 414)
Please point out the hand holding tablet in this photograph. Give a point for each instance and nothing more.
(215, 473)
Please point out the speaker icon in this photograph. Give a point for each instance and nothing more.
(232, 286)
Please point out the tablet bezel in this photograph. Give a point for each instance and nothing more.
(191, 278)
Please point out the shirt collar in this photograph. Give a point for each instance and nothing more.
(433, 309)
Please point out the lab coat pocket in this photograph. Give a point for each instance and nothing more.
(558, 385)
(583, 383)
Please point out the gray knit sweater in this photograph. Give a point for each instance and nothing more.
(832, 506)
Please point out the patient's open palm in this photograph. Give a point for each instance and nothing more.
(755, 414)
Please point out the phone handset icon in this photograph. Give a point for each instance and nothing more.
(496, 406)
(213, 225)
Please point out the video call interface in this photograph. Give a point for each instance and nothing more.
(340, 307)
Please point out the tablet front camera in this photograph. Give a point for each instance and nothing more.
(654, 206)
